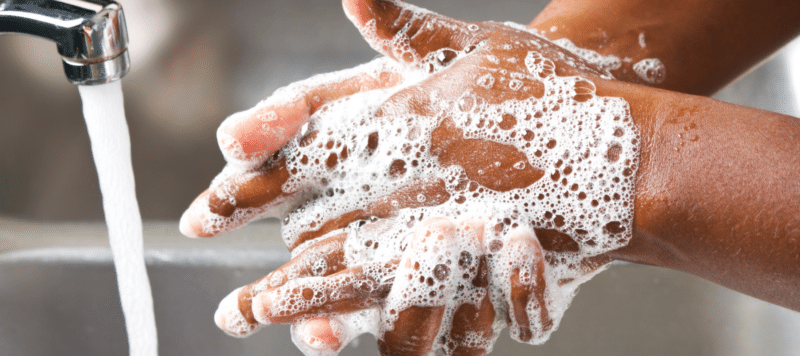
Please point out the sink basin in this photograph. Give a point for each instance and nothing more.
(63, 300)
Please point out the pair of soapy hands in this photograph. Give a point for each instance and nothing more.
(458, 54)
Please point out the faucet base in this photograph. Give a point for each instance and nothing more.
(99, 72)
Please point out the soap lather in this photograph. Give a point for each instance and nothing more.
(90, 35)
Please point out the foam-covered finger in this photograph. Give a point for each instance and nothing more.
(321, 336)
(236, 198)
(414, 332)
(235, 313)
(328, 335)
(522, 263)
(471, 331)
(249, 137)
(471, 327)
(230, 319)
(408, 33)
(424, 283)
(353, 289)
(434, 191)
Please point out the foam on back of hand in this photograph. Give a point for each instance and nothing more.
(586, 146)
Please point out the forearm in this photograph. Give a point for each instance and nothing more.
(717, 194)
(703, 44)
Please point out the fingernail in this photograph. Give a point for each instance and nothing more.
(191, 224)
(262, 304)
(321, 334)
(231, 149)
(235, 129)
(230, 320)
(250, 136)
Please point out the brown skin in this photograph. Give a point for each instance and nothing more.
(714, 193)
(704, 44)
(329, 248)
(403, 341)
(522, 293)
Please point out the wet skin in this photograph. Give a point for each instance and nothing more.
(714, 193)
(705, 44)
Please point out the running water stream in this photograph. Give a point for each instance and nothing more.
(104, 112)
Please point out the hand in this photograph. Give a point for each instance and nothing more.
(250, 139)
(446, 284)
(478, 69)
(689, 194)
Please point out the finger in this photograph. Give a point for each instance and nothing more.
(521, 260)
(408, 33)
(235, 313)
(319, 336)
(471, 333)
(234, 199)
(353, 289)
(434, 191)
(230, 320)
(471, 328)
(415, 307)
(249, 137)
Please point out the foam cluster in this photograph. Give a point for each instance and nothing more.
(585, 146)
(608, 63)
(651, 70)
(455, 229)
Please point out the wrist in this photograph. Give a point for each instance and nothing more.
(635, 46)
(657, 114)
(702, 45)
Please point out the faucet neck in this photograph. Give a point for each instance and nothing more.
(91, 35)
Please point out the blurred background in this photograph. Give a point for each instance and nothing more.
(194, 63)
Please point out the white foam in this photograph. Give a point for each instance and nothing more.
(651, 70)
(229, 318)
(607, 63)
(345, 328)
(296, 92)
(104, 111)
(585, 145)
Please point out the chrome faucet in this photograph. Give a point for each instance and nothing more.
(90, 34)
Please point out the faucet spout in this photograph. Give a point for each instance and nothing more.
(91, 35)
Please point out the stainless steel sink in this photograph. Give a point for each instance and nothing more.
(63, 301)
